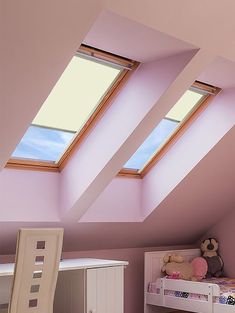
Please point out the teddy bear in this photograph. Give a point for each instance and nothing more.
(177, 268)
(209, 248)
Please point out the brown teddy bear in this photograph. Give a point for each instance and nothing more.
(209, 248)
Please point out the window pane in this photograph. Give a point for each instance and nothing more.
(68, 107)
(151, 144)
(184, 105)
(164, 129)
(76, 94)
(43, 144)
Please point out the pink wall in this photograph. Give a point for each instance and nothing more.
(186, 153)
(220, 73)
(28, 196)
(193, 27)
(224, 232)
(119, 202)
(122, 36)
(33, 196)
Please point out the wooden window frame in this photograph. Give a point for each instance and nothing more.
(128, 68)
(199, 108)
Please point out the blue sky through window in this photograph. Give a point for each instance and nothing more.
(44, 144)
(160, 134)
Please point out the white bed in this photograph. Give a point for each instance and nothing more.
(162, 301)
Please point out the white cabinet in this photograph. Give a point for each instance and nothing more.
(92, 290)
(105, 290)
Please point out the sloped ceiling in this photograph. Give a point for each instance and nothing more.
(128, 38)
(208, 24)
(35, 54)
(203, 197)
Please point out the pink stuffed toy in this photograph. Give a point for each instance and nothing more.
(200, 268)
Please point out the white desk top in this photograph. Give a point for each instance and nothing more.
(69, 264)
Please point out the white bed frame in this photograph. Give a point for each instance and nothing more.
(161, 303)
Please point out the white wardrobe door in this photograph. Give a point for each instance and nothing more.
(105, 287)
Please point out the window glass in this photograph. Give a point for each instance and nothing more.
(70, 104)
(45, 144)
(165, 129)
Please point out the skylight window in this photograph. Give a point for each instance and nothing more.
(167, 128)
(73, 102)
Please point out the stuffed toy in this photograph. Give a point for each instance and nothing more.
(209, 248)
(176, 267)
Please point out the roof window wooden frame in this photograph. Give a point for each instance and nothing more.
(211, 92)
(128, 66)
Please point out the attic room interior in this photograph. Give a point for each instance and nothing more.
(117, 136)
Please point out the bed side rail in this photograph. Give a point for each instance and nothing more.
(190, 287)
(168, 301)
